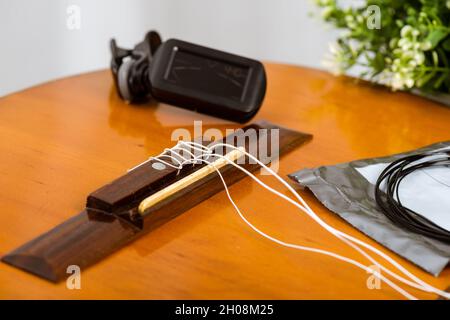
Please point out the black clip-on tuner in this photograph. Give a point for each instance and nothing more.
(189, 76)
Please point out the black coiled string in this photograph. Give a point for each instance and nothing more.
(390, 203)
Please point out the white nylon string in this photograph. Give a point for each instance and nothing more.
(177, 161)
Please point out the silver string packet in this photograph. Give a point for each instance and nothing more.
(343, 189)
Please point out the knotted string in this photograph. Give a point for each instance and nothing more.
(177, 160)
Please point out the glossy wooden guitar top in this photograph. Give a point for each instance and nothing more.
(62, 140)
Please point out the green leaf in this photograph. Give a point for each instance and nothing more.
(377, 63)
(435, 58)
(424, 80)
(435, 36)
(440, 80)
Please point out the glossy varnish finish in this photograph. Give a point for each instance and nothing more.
(62, 140)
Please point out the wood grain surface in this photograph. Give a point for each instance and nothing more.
(62, 140)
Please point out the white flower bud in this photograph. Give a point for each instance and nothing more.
(425, 45)
(406, 31)
(419, 57)
(326, 13)
(409, 83)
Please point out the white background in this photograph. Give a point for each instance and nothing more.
(37, 46)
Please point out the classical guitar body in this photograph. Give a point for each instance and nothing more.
(66, 199)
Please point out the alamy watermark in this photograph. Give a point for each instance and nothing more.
(374, 280)
(73, 281)
(73, 19)
(263, 144)
(373, 17)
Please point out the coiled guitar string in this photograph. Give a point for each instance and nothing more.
(180, 161)
(389, 200)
